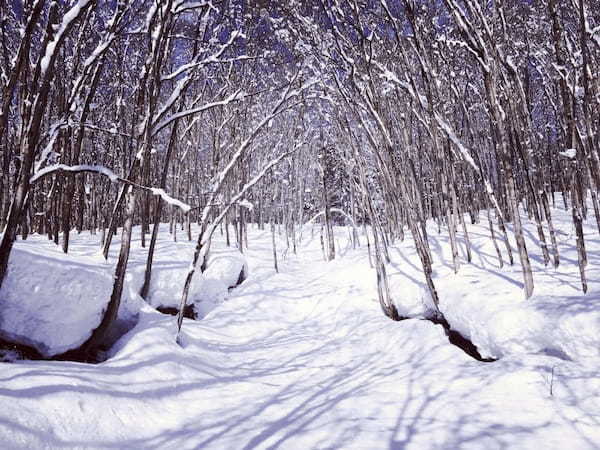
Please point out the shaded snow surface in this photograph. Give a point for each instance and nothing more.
(305, 359)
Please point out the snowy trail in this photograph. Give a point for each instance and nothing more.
(302, 359)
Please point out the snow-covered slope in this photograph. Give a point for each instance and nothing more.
(306, 359)
(486, 303)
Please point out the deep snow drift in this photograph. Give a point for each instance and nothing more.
(305, 358)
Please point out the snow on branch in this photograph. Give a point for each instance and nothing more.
(338, 210)
(239, 197)
(214, 58)
(113, 177)
(242, 148)
(183, 6)
(74, 169)
(47, 152)
(466, 156)
(95, 56)
(247, 204)
(68, 19)
(464, 153)
(170, 200)
(233, 97)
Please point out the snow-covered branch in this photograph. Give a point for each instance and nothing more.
(114, 178)
(188, 112)
(63, 168)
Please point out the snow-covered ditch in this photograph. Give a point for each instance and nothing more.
(485, 303)
(52, 302)
(305, 359)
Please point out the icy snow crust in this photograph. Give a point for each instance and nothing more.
(305, 358)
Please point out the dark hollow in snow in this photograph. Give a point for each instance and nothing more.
(454, 336)
(459, 340)
(188, 311)
(10, 352)
(242, 277)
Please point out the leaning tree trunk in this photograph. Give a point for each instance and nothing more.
(99, 335)
(157, 215)
(274, 244)
(330, 251)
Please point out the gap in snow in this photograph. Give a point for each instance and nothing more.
(10, 352)
(458, 340)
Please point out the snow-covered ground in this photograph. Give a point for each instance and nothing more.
(52, 301)
(305, 358)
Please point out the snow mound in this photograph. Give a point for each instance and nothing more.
(229, 266)
(50, 301)
(210, 294)
(495, 328)
(207, 290)
(410, 298)
(167, 284)
(500, 322)
(166, 287)
(575, 325)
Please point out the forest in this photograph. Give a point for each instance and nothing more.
(439, 159)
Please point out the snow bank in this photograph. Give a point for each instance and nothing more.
(167, 285)
(207, 290)
(410, 297)
(228, 266)
(53, 302)
(576, 331)
(498, 323)
(498, 327)
(50, 301)
(486, 304)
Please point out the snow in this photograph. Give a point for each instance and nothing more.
(67, 21)
(569, 153)
(77, 168)
(165, 122)
(486, 303)
(171, 263)
(170, 200)
(48, 152)
(464, 152)
(227, 267)
(305, 359)
(166, 288)
(208, 289)
(51, 302)
(245, 203)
